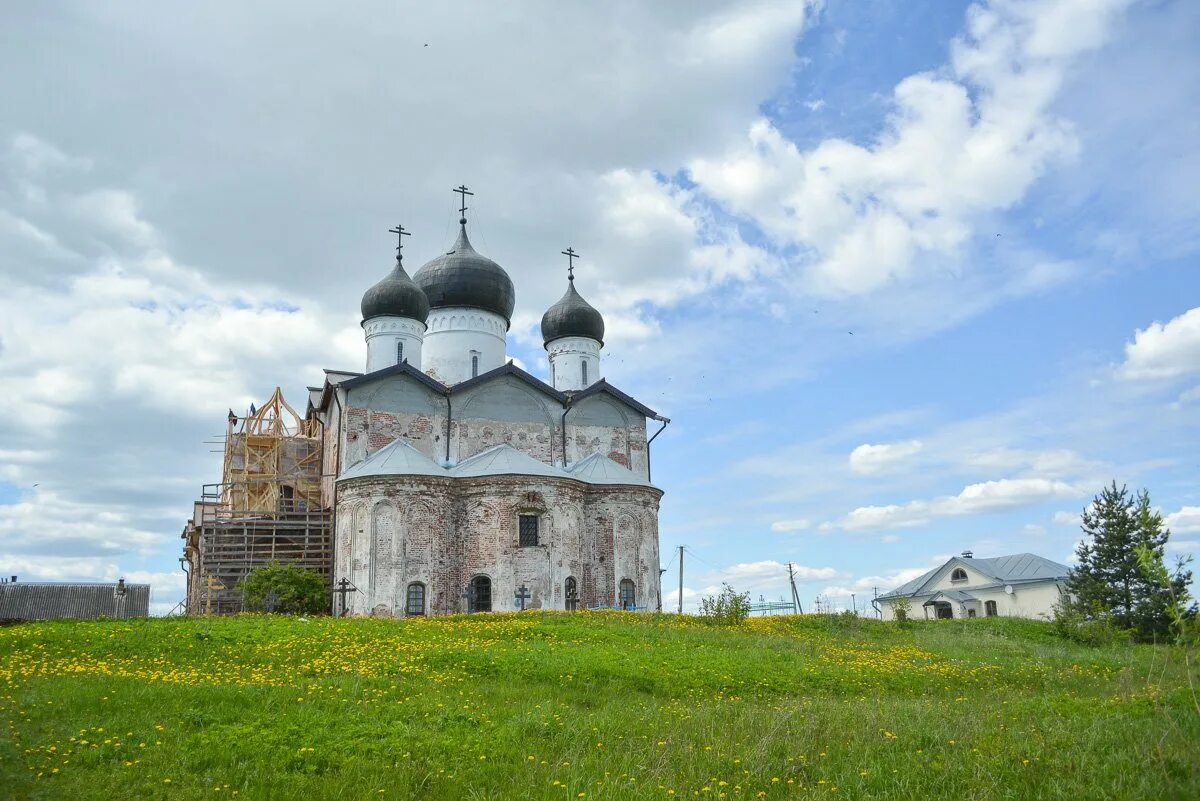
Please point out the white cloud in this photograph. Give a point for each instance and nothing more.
(867, 459)
(1185, 521)
(987, 496)
(789, 525)
(1184, 546)
(960, 143)
(1164, 350)
(1067, 518)
(1055, 462)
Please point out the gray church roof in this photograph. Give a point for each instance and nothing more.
(504, 460)
(397, 458)
(1014, 569)
(463, 277)
(599, 469)
(396, 295)
(52, 601)
(572, 316)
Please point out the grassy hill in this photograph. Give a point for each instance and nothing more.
(597, 706)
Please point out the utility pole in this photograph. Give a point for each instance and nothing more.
(681, 579)
(854, 604)
(795, 594)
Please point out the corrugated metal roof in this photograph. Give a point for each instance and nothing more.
(1011, 569)
(954, 595)
(505, 460)
(52, 601)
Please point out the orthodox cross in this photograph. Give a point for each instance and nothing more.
(571, 257)
(522, 596)
(400, 234)
(343, 588)
(462, 212)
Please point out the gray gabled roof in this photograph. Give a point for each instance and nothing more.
(953, 595)
(504, 460)
(599, 469)
(52, 601)
(397, 458)
(1014, 569)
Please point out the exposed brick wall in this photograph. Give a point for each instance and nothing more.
(444, 532)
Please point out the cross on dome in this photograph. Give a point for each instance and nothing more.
(400, 234)
(462, 191)
(571, 256)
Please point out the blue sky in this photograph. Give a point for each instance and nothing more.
(997, 199)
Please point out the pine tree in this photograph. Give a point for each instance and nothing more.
(1108, 581)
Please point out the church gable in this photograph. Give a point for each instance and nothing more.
(506, 409)
(395, 403)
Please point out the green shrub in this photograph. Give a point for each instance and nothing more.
(285, 589)
(727, 609)
(1096, 629)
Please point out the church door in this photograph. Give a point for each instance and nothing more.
(571, 590)
(479, 595)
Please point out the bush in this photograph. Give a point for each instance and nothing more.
(1095, 629)
(296, 591)
(727, 609)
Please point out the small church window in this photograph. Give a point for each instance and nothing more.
(626, 598)
(474, 364)
(479, 595)
(527, 526)
(958, 575)
(416, 599)
(399, 353)
(584, 367)
(989, 608)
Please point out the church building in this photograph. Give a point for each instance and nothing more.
(461, 483)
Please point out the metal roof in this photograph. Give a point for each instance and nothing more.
(510, 369)
(603, 386)
(599, 469)
(397, 458)
(953, 595)
(1013, 569)
(572, 316)
(52, 601)
(504, 460)
(463, 277)
(396, 295)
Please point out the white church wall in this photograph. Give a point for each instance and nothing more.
(455, 335)
(506, 409)
(396, 406)
(567, 356)
(384, 337)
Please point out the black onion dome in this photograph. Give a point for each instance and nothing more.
(572, 316)
(395, 296)
(462, 277)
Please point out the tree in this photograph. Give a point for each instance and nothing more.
(1109, 581)
(728, 608)
(286, 589)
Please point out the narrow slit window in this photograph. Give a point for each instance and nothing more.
(474, 365)
(399, 353)
(584, 373)
(527, 526)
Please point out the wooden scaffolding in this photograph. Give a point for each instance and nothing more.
(267, 508)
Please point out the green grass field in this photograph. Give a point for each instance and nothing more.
(597, 706)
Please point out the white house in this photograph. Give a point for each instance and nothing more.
(1021, 585)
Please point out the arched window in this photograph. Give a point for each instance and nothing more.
(400, 352)
(584, 368)
(474, 364)
(479, 595)
(626, 598)
(571, 590)
(989, 608)
(415, 605)
(958, 575)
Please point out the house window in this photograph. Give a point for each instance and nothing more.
(399, 353)
(479, 594)
(527, 526)
(626, 597)
(970, 613)
(989, 608)
(571, 590)
(584, 368)
(958, 575)
(474, 364)
(416, 599)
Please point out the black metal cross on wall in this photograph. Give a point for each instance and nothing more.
(343, 588)
(400, 234)
(571, 257)
(522, 596)
(462, 212)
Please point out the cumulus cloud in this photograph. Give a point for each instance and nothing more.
(789, 525)
(961, 142)
(981, 498)
(867, 459)
(1185, 521)
(1164, 350)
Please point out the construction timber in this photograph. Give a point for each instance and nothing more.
(267, 508)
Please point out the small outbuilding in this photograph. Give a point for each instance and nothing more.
(61, 600)
(1020, 585)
